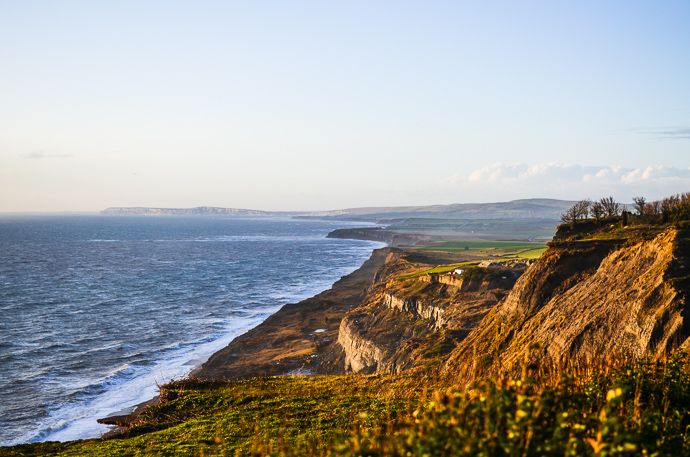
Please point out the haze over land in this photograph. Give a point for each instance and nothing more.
(310, 107)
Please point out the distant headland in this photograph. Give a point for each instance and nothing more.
(198, 211)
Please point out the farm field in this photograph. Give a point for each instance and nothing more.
(501, 249)
(522, 230)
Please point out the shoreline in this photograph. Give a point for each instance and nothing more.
(285, 343)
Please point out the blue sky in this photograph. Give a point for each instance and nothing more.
(317, 105)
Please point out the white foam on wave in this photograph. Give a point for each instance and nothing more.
(243, 238)
(306, 290)
(129, 386)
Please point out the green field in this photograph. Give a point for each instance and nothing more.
(483, 229)
(439, 269)
(457, 246)
(532, 253)
(504, 249)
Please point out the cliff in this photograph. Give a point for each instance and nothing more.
(598, 291)
(591, 296)
(297, 338)
(301, 338)
(409, 323)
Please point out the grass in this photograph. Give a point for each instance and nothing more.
(225, 418)
(532, 253)
(438, 269)
(504, 249)
(618, 408)
(458, 246)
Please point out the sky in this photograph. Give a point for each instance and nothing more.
(312, 105)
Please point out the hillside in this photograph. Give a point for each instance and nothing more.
(597, 292)
(535, 208)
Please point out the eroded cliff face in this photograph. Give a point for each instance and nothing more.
(587, 300)
(412, 322)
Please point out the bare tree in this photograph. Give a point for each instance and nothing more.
(640, 204)
(578, 211)
(598, 211)
(569, 216)
(611, 206)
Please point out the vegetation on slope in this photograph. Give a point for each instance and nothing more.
(618, 408)
(613, 407)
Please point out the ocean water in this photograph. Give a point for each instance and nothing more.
(96, 310)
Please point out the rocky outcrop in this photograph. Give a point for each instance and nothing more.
(500, 279)
(416, 308)
(406, 323)
(360, 353)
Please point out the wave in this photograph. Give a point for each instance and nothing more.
(131, 289)
(127, 386)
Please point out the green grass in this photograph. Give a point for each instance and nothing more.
(498, 246)
(619, 408)
(225, 418)
(438, 269)
(531, 253)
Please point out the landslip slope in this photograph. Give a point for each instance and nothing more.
(590, 296)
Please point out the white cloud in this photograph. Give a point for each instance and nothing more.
(676, 133)
(569, 181)
(43, 154)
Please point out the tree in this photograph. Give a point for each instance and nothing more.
(640, 204)
(598, 211)
(579, 210)
(611, 206)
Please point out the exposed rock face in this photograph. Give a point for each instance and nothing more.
(585, 300)
(408, 323)
(286, 341)
(505, 279)
(416, 308)
(360, 353)
(590, 295)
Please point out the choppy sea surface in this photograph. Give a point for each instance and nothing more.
(95, 310)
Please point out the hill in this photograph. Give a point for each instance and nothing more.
(517, 209)
(536, 208)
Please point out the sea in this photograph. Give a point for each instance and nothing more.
(96, 311)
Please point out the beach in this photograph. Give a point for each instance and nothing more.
(299, 339)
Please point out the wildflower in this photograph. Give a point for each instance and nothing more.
(614, 393)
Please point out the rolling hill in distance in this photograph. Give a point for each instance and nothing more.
(535, 208)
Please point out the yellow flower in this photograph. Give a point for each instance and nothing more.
(614, 393)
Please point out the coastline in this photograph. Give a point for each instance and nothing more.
(298, 339)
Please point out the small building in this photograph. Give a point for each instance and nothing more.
(489, 263)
